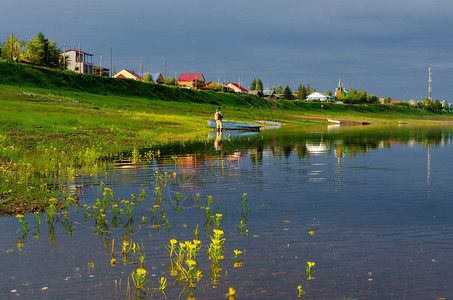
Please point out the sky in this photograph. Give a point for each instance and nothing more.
(383, 47)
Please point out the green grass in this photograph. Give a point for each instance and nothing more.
(56, 123)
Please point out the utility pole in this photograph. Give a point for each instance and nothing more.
(64, 56)
(12, 46)
(110, 55)
(78, 55)
(142, 67)
(429, 84)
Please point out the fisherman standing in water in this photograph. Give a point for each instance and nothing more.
(218, 116)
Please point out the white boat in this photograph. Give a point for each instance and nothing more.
(234, 125)
(277, 124)
(334, 121)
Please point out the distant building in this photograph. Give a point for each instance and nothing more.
(157, 78)
(319, 97)
(237, 88)
(104, 72)
(128, 74)
(269, 93)
(216, 86)
(340, 91)
(79, 62)
(192, 80)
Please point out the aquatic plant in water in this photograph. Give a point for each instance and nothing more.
(310, 264)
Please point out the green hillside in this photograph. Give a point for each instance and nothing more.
(56, 124)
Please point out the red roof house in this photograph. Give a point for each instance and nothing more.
(127, 74)
(237, 88)
(191, 80)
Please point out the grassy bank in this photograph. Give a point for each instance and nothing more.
(55, 124)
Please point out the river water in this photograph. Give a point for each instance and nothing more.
(370, 206)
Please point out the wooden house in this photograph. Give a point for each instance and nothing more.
(157, 78)
(191, 80)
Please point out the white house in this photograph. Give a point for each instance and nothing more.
(128, 74)
(319, 97)
(80, 62)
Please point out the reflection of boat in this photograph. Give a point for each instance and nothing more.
(273, 124)
(334, 121)
(403, 123)
(233, 134)
(234, 125)
(316, 148)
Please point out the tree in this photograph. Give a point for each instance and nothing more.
(253, 85)
(147, 77)
(170, 81)
(437, 105)
(279, 89)
(387, 100)
(9, 51)
(43, 52)
(447, 107)
(327, 92)
(259, 85)
(287, 94)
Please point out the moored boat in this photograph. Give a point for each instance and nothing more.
(234, 125)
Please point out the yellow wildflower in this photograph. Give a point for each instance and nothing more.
(218, 232)
(190, 263)
(141, 272)
(218, 215)
(311, 232)
(173, 241)
(19, 216)
(231, 291)
(113, 262)
(310, 264)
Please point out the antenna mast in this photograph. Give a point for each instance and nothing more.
(429, 84)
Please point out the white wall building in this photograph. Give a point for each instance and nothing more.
(80, 62)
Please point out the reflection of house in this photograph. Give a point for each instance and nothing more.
(192, 81)
(80, 62)
(127, 74)
(237, 88)
(157, 78)
(319, 97)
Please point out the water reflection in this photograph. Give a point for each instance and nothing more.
(363, 191)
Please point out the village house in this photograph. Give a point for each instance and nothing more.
(319, 97)
(79, 62)
(128, 74)
(157, 78)
(218, 87)
(237, 88)
(270, 93)
(104, 72)
(191, 80)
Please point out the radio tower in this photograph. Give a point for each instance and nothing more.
(429, 84)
